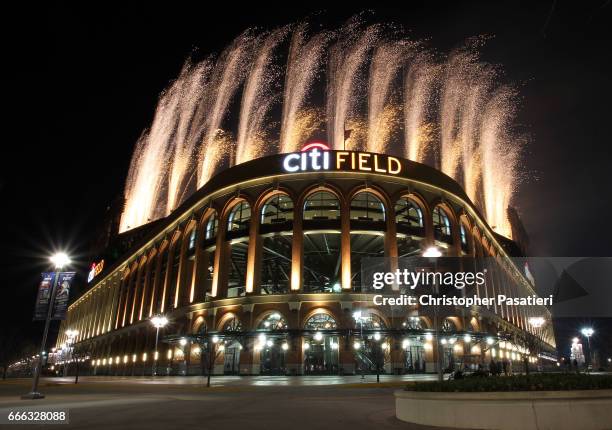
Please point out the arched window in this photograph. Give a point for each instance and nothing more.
(239, 218)
(278, 209)
(322, 205)
(367, 239)
(321, 349)
(365, 206)
(442, 226)
(171, 299)
(238, 224)
(233, 324)
(212, 225)
(159, 289)
(371, 322)
(408, 214)
(273, 321)
(321, 321)
(410, 227)
(276, 231)
(413, 323)
(192, 241)
(465, 244)
(207, 264)
(448, 326)
(321, 270)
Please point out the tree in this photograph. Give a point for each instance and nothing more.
(531, 343)
(13, 348)
(79, 354)
(212, 345)
(8, 347)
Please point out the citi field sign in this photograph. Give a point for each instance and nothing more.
(318, 156)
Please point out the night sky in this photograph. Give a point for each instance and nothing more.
(83, 83)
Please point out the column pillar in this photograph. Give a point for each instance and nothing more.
(345, 242)
(297, 248)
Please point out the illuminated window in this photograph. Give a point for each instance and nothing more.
(465, 246)
(371, 321)
(275, 268)
(162, 275)
(413, 323)
(441, 224)
(238, 232)
(321, 321)
(232, 325)
(208, 256)
(192, 240)
(366, 206)
(364, 245)
(276, 230)
(211, 226)
(408, 214)
(322, 205)
(448, 325)
(171, 293)
(274, 321)
(321, 271)
(278, 209)
(191, 245)
(410, 227)
(239, 218)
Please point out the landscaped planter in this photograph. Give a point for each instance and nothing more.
(525, 410)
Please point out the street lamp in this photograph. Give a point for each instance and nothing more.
(59, 261)
(588, 332)
(71, 334)
(433, 253)
(158, 321)
(357, 315)
(537, 323)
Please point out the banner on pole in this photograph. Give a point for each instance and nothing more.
(44, 296)
(60, 304)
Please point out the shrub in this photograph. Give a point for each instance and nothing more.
(533, 382)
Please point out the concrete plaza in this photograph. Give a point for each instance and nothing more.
(315, 402)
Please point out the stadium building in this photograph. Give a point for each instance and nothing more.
(263, 264)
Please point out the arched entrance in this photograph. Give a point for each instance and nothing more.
(321, 346)
(231, 331)
(272, 345)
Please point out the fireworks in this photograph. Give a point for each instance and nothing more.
(305, 56)
(346, 62)
(392, 94)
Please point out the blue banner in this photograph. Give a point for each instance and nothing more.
(44, 295)
(60, 304)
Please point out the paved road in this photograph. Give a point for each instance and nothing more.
(248, 380)
(233, 403)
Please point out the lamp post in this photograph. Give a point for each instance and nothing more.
(433, 253)
(588, 332)
(359, 318)
(212, 356)
(158, 321)
(59, 261)
(71, 334)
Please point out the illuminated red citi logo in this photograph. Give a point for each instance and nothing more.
(317, 156)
